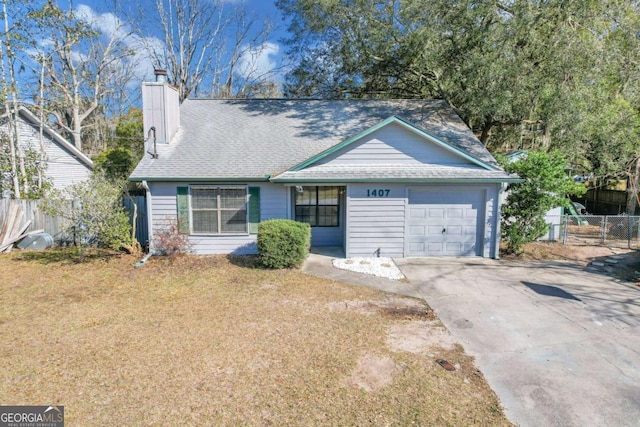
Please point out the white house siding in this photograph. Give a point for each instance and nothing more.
(273, 204)
(63, 168)
(553, 218)
(375, 224)
(392, 145)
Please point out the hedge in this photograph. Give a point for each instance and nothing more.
(283, 243)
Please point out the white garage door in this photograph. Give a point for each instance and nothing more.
(443, 223)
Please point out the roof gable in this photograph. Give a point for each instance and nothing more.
(54, 136)
(393, 141)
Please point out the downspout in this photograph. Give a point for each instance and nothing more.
(502, 196)
(149, 254)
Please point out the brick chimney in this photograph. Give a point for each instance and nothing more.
(160, 108)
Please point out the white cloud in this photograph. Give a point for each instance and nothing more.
(259, 61)
(112, 27)
(108, 23)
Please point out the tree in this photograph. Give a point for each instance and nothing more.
(522, 74)
(116, 163)
(545, 185)
(125, 149)
(205, 47)
(81, 66)
(34, 184)
(14, 167)
(92, 211)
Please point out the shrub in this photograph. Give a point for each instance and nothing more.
(544, 185)
(92, 210)
(168, 241)
(283, 243)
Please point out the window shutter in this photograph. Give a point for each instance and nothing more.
(254, 209)
(183, 210)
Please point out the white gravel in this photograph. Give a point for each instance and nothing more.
(381, 267)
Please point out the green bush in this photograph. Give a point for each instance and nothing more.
(283, 243)
(92, 210)
(545, 185)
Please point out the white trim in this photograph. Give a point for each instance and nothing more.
(218, 209)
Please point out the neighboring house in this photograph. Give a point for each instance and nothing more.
(65, 164)
(396, 178)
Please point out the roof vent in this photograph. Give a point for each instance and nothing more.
(161, 76)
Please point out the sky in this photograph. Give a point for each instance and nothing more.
(107, 18)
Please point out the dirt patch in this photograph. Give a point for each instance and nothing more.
(393, 307)
(627, 261)
(373, 373)
(555, 250)
(420, 337)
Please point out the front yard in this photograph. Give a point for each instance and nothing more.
(214, 341)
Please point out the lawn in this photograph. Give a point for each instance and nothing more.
(216, 341)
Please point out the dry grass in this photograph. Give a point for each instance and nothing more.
(214, 341)
(581, 254)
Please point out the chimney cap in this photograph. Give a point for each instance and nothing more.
(161, 75)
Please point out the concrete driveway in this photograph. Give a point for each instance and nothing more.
(560, 346)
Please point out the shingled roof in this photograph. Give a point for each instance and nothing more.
(253, 140)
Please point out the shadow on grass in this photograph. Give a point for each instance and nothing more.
(245, 261)
(251, 261)
(67, 255)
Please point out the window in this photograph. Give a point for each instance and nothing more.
(318, 206)
(219, 210)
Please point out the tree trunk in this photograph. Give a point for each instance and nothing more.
(486, 129)
(7, 88)
(632, 189)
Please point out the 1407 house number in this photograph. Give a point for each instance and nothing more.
(378, 192)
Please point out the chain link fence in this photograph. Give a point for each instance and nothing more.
(622, 231)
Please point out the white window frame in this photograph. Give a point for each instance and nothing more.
(219, 210)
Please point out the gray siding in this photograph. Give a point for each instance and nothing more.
(375, 225)
(393, 144)
(327, 236)
(63, 168)
(273, 204)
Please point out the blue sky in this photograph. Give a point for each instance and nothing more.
(105, 12)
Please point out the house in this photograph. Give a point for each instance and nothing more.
(66, 164)
(395, 178)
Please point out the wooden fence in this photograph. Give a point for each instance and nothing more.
(55, 226)
(39, 220)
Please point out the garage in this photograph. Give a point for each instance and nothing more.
(444, 222)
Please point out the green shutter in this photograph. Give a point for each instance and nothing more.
(183, 210)
(254, 209)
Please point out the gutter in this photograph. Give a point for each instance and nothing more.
(149, 198)
(265, 178)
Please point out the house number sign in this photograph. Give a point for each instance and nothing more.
(378, 192)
